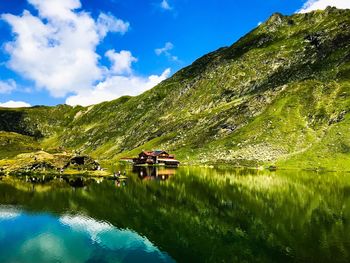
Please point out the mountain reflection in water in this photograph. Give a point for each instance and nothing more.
(190, 214)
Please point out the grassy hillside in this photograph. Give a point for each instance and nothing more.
(280, 95)
(12, 144)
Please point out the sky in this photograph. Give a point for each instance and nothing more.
(83, 52)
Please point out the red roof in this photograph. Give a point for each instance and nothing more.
(153, 153)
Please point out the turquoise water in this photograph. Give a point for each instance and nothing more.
(45, 237)
(189, 214)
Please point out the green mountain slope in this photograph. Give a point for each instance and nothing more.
(280, 95)
(12, 144)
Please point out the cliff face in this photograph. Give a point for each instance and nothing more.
(280, 95)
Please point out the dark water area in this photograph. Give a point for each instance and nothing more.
(189, 214)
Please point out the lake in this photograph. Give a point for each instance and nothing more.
(189, 214)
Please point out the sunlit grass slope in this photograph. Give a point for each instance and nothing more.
(279, 96)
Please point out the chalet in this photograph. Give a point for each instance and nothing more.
(156, 158)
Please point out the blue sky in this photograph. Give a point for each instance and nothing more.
(87, 51)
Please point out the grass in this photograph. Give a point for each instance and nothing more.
(273, 98)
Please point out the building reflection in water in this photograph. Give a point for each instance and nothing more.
(154, 173)
(120, 182)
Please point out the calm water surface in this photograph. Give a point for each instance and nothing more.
(182, 215)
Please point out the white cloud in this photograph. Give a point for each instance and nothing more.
(165, 5)
(86, 224)
(115, 86)
(7, 213)
(166, 51)
(108, 23)
(7, 86)
(312, 5)
(14, 104)
(56, 9)
(121, 62)
(107, 235)
(57, 49)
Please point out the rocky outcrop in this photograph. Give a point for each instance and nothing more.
(45, 162)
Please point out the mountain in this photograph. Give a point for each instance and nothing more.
(278, 96)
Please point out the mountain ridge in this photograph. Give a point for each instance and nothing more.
(278, 96)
